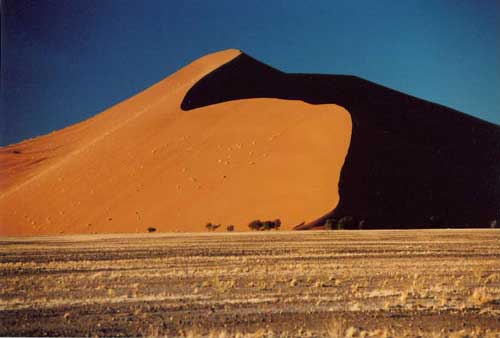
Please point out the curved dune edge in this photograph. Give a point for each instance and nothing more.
(411, 163)
(24, 161)
(146, 163)
(228, 163)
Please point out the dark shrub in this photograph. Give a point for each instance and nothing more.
(277, 224)
(346, 222)
(151, 229)
(255, 225)
(211, 226)
(361, 224)
(330, 223)
(266, 225)
(230, 228)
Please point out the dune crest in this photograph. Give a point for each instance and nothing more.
(147, 163)
(26, 160)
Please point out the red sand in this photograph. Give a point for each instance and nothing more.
(146, 163)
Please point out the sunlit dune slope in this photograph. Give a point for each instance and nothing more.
(147, 163)
(27, 159)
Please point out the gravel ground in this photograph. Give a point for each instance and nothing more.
(428, 283)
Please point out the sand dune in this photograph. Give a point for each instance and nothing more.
(228, 139)
(147, 163)
(411, 163)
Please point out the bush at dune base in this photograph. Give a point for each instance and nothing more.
(345, 222)
(265, 225)
(211, 226)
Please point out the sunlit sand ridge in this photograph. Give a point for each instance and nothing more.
(147, 163)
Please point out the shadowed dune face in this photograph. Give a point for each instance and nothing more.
(411, 163)
(147, 163)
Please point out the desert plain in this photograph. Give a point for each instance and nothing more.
(363, 283)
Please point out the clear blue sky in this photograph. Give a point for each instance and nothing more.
(66, 60)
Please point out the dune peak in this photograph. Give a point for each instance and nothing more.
(146, 163)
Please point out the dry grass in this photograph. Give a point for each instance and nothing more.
(481, 296)
(254, 284)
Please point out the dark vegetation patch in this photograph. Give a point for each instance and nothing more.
(211, 226)
(265, 225)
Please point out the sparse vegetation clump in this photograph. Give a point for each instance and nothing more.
(361, 224)
(230, 228)
(255, 225)
(211, 226)
(346, 222)
(151, 229)
(266, 225)
(330, 224)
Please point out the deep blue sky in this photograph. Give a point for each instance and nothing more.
(66, 60)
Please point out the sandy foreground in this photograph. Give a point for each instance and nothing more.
(428, 283)
(147, 163)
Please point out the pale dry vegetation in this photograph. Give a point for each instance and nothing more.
(438, 283)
